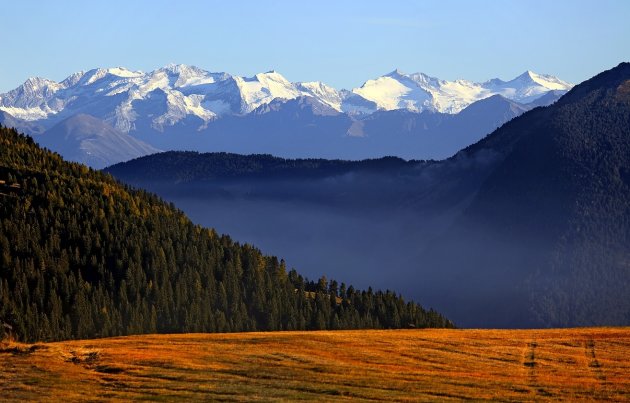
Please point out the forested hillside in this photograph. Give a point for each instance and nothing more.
(84, 256)
(191, 166)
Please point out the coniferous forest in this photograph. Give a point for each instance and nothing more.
(83, 256)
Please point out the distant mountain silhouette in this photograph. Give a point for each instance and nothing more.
(8, 120)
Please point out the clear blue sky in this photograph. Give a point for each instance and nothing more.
(342, 43)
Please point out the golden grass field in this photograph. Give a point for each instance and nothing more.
(401, 365)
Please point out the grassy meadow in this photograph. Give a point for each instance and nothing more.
(401, 365)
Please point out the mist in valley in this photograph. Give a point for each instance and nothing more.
(364, 228)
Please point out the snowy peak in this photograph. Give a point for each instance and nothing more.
(182, 69)
(29, 94)
(418, 78)
(72, 79)
(396, 91)
(322, 92)
(36, 83)
(395, 74)
(547, 81)
(264, 88)
(94, 75)
(527, 76)
(182, 75)
(418, 91)
(527, 87)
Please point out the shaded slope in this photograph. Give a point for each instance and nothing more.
(8, 120)
(91, 141)
(545, 242)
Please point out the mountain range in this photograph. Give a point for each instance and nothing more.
(528, 227)
(413, 116)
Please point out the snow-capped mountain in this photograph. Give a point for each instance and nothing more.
(131, 99)
(417, 92)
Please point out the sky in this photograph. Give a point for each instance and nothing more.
(342, 43)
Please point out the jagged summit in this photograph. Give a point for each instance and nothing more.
(547, 81)
(395, 73)
(527, 74)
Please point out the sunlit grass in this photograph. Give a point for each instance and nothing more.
(404, 365)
